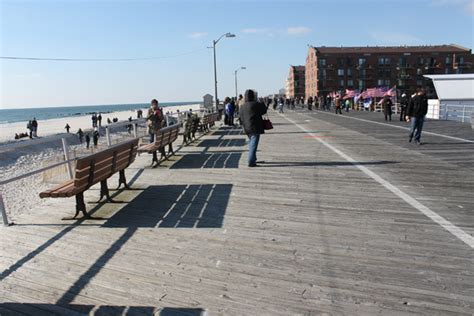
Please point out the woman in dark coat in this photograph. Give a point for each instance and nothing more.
(387, 107)
(251, 118)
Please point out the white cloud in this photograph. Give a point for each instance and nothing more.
(197, 35)
(469, 7)
(394, 38)
(298, 30)
(466, 6)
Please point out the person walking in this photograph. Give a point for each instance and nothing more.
(338, 105)
(80, 133)
(154, 119)
(30, 128)
(226, 110)
(347, 105)
(310, 103)
(251, 117)
(387, 107)
(280, 105)
(403, 106)
(88, 140)
(99, 119)
(95, 137)
(416, 113)
(67, 127)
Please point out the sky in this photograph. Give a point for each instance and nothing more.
(270, 36)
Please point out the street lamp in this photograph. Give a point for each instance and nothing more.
(214, 42)
(235, 76)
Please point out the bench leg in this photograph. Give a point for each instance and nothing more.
(104, 191)
(170, 149)
(163, 153)
(122, 180)
(80, 207)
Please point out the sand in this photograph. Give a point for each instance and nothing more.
(18, 157)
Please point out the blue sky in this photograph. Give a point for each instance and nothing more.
(271, 35)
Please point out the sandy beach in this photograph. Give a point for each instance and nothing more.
(57, 126)
(18, 157)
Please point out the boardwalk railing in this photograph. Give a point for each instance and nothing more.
(138, 128)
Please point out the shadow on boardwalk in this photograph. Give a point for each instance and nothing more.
(179, 206)
(323, 163)
(54, 309)
(208, 160)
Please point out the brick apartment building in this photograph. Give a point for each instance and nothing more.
(338, 68)
(296, 82)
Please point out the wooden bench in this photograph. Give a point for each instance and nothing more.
(208, 121)
(95, 168)
(163, 137)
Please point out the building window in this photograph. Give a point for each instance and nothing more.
(380, 82)
(446, 71)
(341, 83)
(362, 73)
(419, 72)
(387, 82)
(361, 85)
(349, 72)
(461, 60)
(340, 62)
(362, 61)
(402, 62)
(350, 83)
(340, 72)
(419, 83)
(388, 61)
(448, 60)
(381, 61)
(322, 63)
(421, 61)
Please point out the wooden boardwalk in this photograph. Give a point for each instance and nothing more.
(310, 232)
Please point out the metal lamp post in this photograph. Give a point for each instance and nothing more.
(214, 42)
(235, 76)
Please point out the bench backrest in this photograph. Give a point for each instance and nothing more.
(101, 165)
(166, 136)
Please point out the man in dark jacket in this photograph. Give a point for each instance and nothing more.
(251, 118)
(416, 113)
(403, 106)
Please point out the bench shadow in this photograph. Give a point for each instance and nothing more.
(222, 143)
(175, 206)
(208, 160)
(14, 308)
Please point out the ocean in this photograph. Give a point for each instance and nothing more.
(24, 115)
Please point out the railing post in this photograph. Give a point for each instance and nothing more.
(107, 136)
(3, 211)
(66, 157)
(463, 112)
(167, 120)
(135, 133)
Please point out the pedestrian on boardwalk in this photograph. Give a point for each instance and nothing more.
(280, 105)
(139, 114)
(226, 110)
(347, 105)
(416, 113)
(251, 118)
(80, 133)
(230, 112)
(154, 119)
(88, 140)
(99, 119)
(387, 107)
(275, 103)
(403, 106)
(338, 104)
(67, 127)
(95, 136)
(310, 103)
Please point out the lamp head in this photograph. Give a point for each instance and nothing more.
(229, 35)
(243, 67)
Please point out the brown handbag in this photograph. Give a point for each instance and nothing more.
(267, 124)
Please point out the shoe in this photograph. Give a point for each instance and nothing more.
(260, 161)
(418, 143)
(409, 140)
(254, 165)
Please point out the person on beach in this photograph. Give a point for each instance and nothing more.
(34, 126)
(30, 128)
(99, 119)
(88, 140)
(416, 113)
(139, 114)
(403, 106)
(67, 127)
(154, 119)
(94, 120)
(109, 121)
(80, 133)
(251, 117)
(95, 136)
(387, 107)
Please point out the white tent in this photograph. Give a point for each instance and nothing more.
(456, 96)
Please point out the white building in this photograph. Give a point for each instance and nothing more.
(456, 97)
